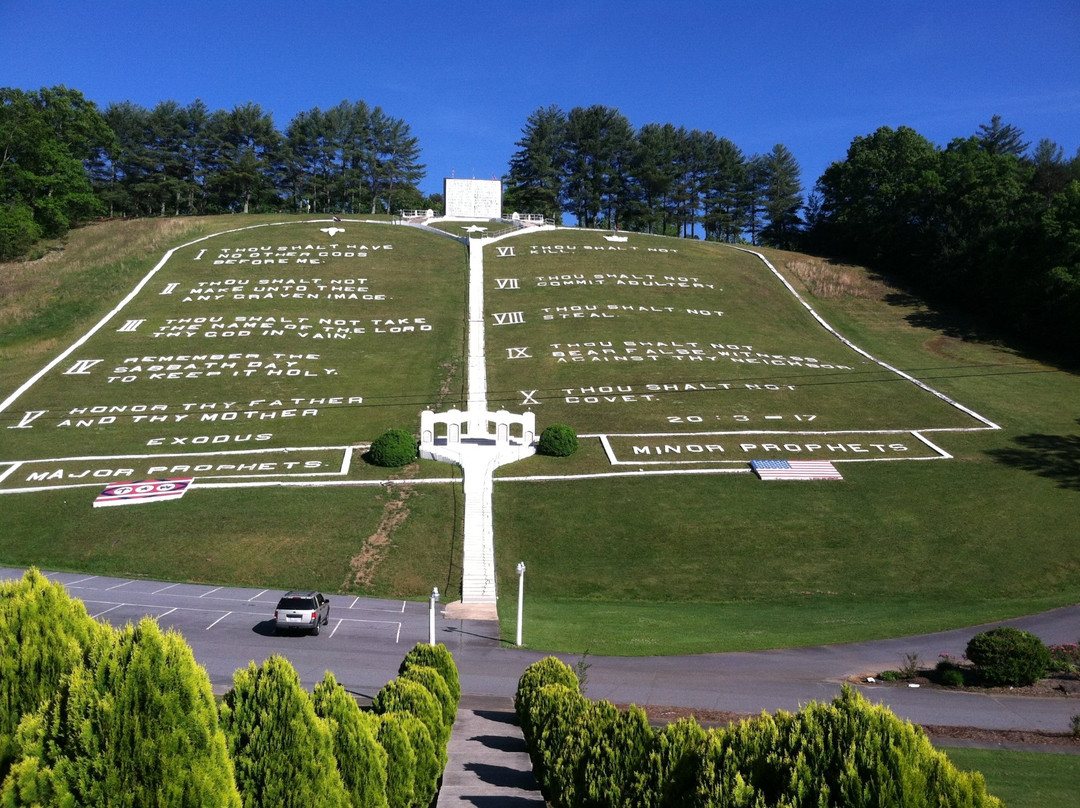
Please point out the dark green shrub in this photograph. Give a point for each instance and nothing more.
(890, 676)
(952, 677)
(557, 440)
(1008, 656)
(393, 448)
(437, 657)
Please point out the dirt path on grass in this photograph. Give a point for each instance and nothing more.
(365, 563)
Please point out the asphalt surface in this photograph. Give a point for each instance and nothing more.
(366, 639)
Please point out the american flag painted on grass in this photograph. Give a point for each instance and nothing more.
(135, 493)
(795, 470)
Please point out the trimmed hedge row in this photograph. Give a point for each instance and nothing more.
(852, 753)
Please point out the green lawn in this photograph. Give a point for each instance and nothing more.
(1024, 779)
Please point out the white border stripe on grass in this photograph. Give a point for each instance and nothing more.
(821, 321)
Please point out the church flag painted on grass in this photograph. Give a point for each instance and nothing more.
(795, 470)
(135, 493)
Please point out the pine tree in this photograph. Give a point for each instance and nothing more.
(782, 193)
(534, 181)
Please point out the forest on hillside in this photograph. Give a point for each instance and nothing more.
(988, 224)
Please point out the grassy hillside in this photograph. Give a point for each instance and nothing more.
(629, 548)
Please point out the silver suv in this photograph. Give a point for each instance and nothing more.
(302, 610)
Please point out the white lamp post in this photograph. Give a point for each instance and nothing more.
(521, 596)
(431, 614)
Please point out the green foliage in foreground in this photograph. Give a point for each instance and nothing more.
(1024, 779)
(279, 745)
(44, 635)
(437, 657)
(96, 716)
(136, 726)
(361, 760)
(1008, 656)
(849, 753)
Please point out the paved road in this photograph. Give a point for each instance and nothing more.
(366, 639)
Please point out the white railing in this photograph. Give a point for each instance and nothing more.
(459, 426)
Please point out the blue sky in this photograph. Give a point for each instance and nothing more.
(466, 75)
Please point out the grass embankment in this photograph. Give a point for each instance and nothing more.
(690, 564)
(1024, 779)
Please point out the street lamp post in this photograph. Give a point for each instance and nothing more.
(431, 614)
(521, 597)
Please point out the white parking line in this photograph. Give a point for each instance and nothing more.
(355, 601)
(125, 583)
(166, 614)
(217, 621)
(80, 580)
(257, 596)
(117, 606)
(332, 633)
(212, 591)
(164, 589)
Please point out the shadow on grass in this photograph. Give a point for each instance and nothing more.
(1054, 456)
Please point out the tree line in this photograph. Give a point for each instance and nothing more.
(92, 715)
(988, 224)
(64, 161)
(592, 164)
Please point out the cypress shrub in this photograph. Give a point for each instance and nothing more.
(137, 726)
(282, 751)
(44, 635)
(432, 681)
(557, 440)
(847, 753)
(665, 776)
(555, 713)
(549, 670)
(427, 769)
(361, 759)
(612, 749)
(437, 657)
(400, 761)
(1008, 656)
(394, 448)
(404, 696)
